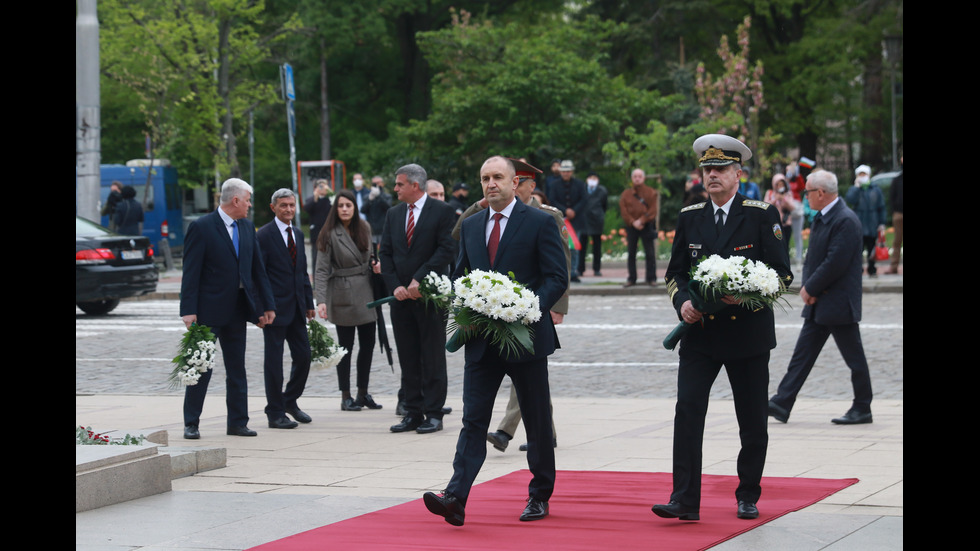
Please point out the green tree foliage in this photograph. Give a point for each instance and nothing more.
(189, 65)
(737, 94)
(538, 92)
(824, 71)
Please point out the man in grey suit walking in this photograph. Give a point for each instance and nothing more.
(832, 294)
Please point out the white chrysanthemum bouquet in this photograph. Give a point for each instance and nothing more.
(754, 284)
(324, 352)
(195, 356)
(494, 306)
(750, 283)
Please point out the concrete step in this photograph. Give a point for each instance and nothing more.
(109, 474)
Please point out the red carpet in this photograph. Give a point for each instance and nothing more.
(590, 510)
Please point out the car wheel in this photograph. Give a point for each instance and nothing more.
(98, 307)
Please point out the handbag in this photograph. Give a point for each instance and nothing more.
(881, 250)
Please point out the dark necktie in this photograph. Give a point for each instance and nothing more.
(494, 237)
(411, 224)
(234, 235)
(720, 221)
(291, 244)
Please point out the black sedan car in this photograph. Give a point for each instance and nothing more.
(109, 266)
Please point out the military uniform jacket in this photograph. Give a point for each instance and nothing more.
(753, 231)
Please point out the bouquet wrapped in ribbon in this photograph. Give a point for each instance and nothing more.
(195, 356)
(753, 284)
(494, 306)
(325, 353)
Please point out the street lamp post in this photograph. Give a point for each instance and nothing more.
(893, 49)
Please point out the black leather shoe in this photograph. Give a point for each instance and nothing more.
(676, 510)
(446, 410)
(778, 412)
(191, 432)
(282, 423)
(407, 424)
(366, 401)
(523, 447)
(747, 510)
(499, 439)
(299, 415)
(445, 505)
(241, 431)
(400, 410)
(853, 417)
(348, 404)
(535, 510)
(430, 425)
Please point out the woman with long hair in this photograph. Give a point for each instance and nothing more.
(343, 288)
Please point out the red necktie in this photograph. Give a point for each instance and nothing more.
(291, 244)
(411, 224)
(494, 237)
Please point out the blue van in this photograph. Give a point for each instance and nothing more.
(162, 200)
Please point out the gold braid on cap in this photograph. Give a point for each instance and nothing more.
(715, 154)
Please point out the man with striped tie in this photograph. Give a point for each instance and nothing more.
(284, 257)
(417, 239)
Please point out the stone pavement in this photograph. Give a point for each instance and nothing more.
(613, 409)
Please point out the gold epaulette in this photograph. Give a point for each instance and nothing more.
(695, 206)
(757, 204)
(549, 207)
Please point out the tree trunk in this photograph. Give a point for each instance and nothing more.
(324, 105)
(224, 92)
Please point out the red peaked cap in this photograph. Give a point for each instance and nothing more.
(524, 170)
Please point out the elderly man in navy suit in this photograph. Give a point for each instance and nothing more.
(507, 237)
(416, 240)
(831, 293)
(224, 286)
(284, 257)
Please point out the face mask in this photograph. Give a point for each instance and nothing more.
(863, 179)
(592, 182)
(358, 184)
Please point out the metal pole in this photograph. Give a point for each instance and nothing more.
(88, 125)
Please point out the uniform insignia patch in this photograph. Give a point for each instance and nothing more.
(693, 207)
(757, 204)
(777, 230)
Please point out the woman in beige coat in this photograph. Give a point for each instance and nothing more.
(343, 288)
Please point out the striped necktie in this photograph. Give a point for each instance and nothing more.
(410, 229)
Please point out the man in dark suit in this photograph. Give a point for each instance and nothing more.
(416, 240)
(526, 242)
(831, 293)
(568, 194)
(224, 286)
(284, 257)
(740, 339)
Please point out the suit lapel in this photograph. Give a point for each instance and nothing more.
(421, 222)
(219, 224)
(734, 220)
(476, 241)
(343, 240)
(517, 216)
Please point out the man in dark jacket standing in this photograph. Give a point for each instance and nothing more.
(593, 223)
(284, 257)
(567, 194)
(832, 294)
